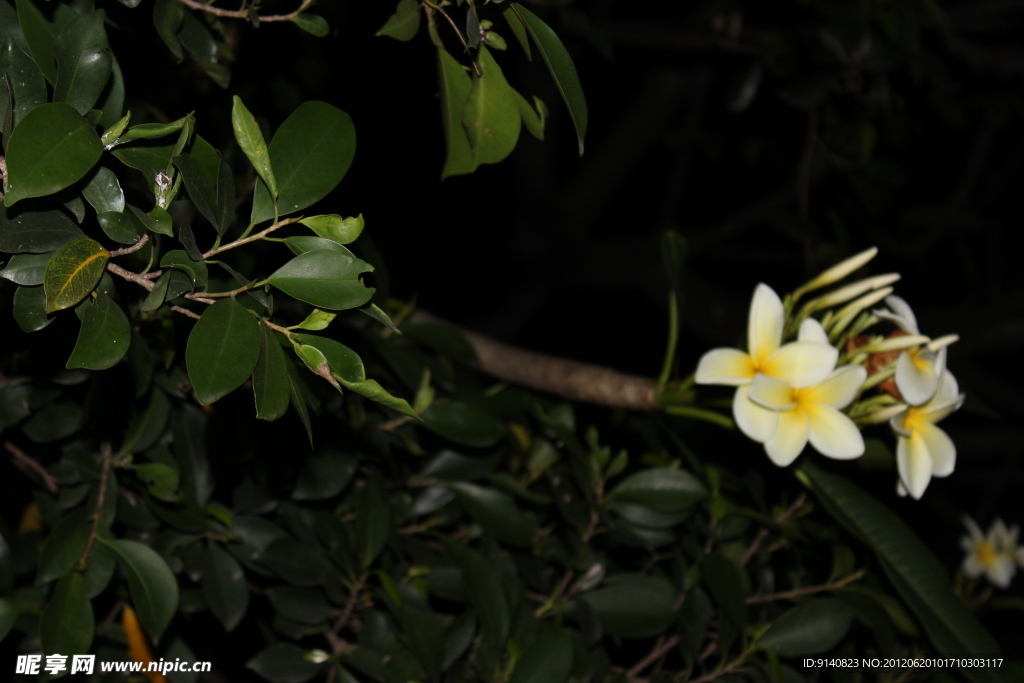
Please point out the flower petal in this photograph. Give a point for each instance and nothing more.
(917, 381)
(972, 528)
(940, 448)
(771, 393)
(914, 464)
(947, 399)
(756, 422)
(833, 434)
(901, 314)
(724, 366)
(801, 363)
(812, 331)
(790, 438)
(840, 388)
(1000, 572)
(764, 326)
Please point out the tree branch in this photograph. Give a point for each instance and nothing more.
(132, 249)
(561, 376)
(100, 499)
(30, 465)
(243, 13)
(798, 592)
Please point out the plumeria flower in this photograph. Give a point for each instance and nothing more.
(991, 554)
(917, 369)
(804, 363)
(923, 450)
(811, 413)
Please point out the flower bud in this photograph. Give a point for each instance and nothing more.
(839, 271)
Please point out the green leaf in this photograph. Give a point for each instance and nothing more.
(548, 659)
(373, 520)
(633, 605)
(325, 279)
(485, 592)
(67, 624)
(250, 139)
(8, 615)
(304, 605)
(335, 228)
(298, 563)
(344, 362)
(311, 152)
(662, 488)
(223, 586)
(808, 629)
(151, 584)
(200, 169)
(533, 119)
(26, 269)
(35, 232)
(222, 350)
(161, 480)
(40, 35)
(73, 272)
(455, 87)
(270, 382)
(112, 105)
(297, 391)
(726, 584)
(317, 320)
(378, 314)
(914, 570)
(148, 158)
(84, 62)
(157, 221)
(300, 244)
(54, 422)
(284, 663)
(312, 23)
(167, 18)
(404, 23)
(324, 474)
(519, 29)
(463, 423)
(561, 66)
(103, 191)
(424, 632)
(104, 336)
(120, 227)
(491, 117)
(196, 38)
(30, 309)
(196, 270)
(28, 87)
(64, 546)
(495, 511)
(50, 149)
(151, 131)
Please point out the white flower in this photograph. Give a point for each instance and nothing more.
(917, 369)
(812, 414)
(992, 554)
(923, 450)
(804, 363)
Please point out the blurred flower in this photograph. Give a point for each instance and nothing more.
(838, 271)
(992, 554)
(803, 363)
(918, 369)
(923, 450)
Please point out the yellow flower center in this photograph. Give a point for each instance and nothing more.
(919, 360)
(985, 553)
(915, 420)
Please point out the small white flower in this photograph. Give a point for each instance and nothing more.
(917, 369)
(923, 450)
(991, 554)
(804, 363)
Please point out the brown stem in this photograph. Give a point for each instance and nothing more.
(244, 14)
(30, 465)
(561, 376)
(763, 534)
(97, 514)
(660, 649)
(185, 311)
(132, 249)
(728, 668)
(252, 238)
(131, 277)
(797, 592)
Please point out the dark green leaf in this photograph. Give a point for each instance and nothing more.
(343, 361)
(167, 17)
(519, 29)
(30, 309)
(662, 489)
(54, 422)
(373, 520)
(485, 592)
(161, 480)
(26, 269)
(151, 584)
(148, 158)
(112, 103)
(35, 232)
(103, 191)
(310, 152)
(196, 270)
(300, 244)
(463, 423)
(283, 663)
(312, 23)
(64, 546)
(84, 62)
(808, 629)
(304, 605)
(491, 117)
(8, 615)
(298, 398)
(455, 87)
(726, 585)
(148, 425)
(548, 659)
(404, 23)
(119, 227)
(224, 587)
(324, 474)
(561, 66)
(28, 88)
(633, 605)
(424, 632)
(67, 624)
(195, 37)
(378, 314)
(103, 338)
(50, 149)
(326, 279)
(496, 512)
(222, 350)
(298, 563)
(157, 220)
(188, 240)
(200, 169)
(40, 35)
(225, 198)
(335, 228)
(73, 272)
(270, 378)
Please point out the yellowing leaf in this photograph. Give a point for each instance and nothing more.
(73, 272)
(138, 647)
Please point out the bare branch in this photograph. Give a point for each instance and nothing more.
(31, 466)
(132, 249)
(243, 13)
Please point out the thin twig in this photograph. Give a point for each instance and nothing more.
(131, 277)
(132, 249)
(252, 238)
(763, 534)
(97, 514)
(185, 311)
(243, 13)
(216, 295)
(798, 592)
(661, 647)
(728, 668)
(32, 465)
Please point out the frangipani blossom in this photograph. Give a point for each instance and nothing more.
(923, 450)
(917, 369)
(804, 363)
(812, 414)
(991, 554)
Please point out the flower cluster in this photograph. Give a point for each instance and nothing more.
(995, 554)
(808, 380)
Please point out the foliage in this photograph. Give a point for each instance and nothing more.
(431, 525)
